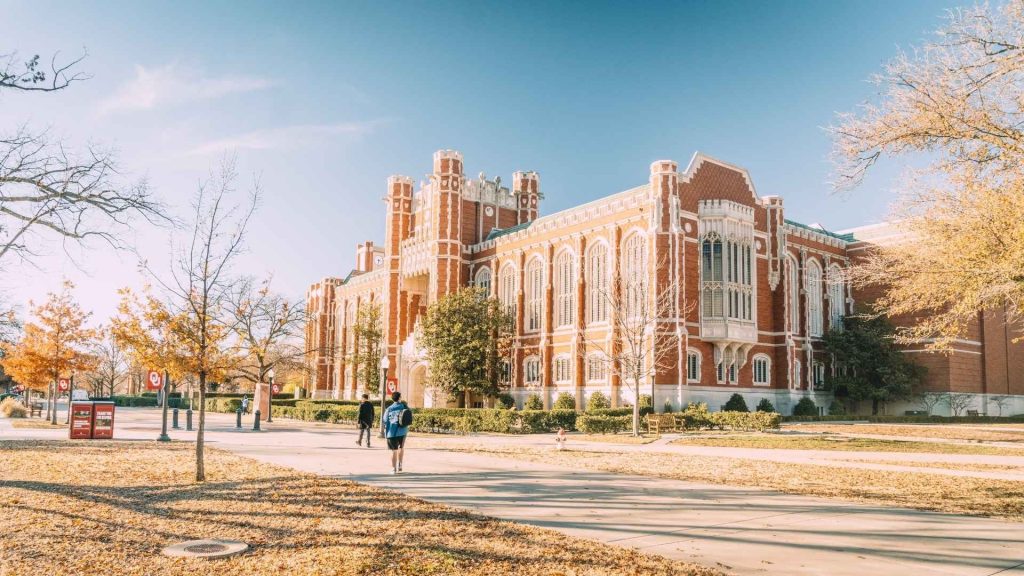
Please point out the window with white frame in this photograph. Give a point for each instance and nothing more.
(483, 280)
(597, 283)
(565, 288)
(596, 369)
(762, 367)
(720, 372)
(812, 277)
(534, 294)
(693, 366)
(507, 288)
(726, 278)
(634, 275)
(836, 298)
(563, 369)
(531, 370)
(793, 287)
(506, 372)
(797, 383)
(818, 374)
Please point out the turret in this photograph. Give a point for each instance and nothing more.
(664, 181)
(447, 220)
(526, 189)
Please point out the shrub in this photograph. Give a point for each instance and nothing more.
(506, 401)
(12, 408)
(533, 402)
(594, 424)
(598, 401)
(758, 421)
(565, 401)
(668, 406)
(805, 407)
(697, 417)
(765, 405)
(736, 403)
(646, 401)
(836, 408)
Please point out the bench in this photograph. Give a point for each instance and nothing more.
(35, 409)
(972, 413)
(656, 423)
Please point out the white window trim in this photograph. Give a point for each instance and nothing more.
(700, 359)
(597, 359)
(526, 370)
(768, 370)
(568, 360)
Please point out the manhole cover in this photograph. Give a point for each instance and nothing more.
(206, 549)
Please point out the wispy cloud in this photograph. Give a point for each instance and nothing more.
(286, 137)
(173, 85)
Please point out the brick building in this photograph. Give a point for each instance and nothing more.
(751, 292)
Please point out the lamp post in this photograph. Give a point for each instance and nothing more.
(270, 397)
(163, 420)
(384, 365)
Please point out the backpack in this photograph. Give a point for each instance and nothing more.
(405, 418)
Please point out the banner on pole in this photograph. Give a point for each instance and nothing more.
(154, 381)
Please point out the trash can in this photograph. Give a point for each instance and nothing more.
(81, 421)
(102, 420)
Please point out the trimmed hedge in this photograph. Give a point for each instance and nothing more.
(595, 424)
(894, 419)
(147, 401)
(756, 421)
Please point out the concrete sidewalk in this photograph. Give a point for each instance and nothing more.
(741, 530)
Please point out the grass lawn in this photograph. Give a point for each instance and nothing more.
(977, 433)
(36, 423)
(924, 491)
(110, 507)
(847, 444)
(610, 438)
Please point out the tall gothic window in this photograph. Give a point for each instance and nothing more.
(762, 370)
(597, 283)
(483, 280)
(712, 296)
(812, 276)
(793, 287)
(534, 294)
(565, 288)
(693, 366)
(507, 288)
(634, 274)
(531, 370)
(836, 297)
(726, 278)
(563, 369)
(596, 369)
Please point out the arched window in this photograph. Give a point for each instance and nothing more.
(507, 287)
(563, 369)
(812, 277)
(762, 366)
(506, 372)
(818, 375)
(793, 287)
(596, 369)
(565, 288)
(836, 298)
(483, 280)
(693, 366)
(634, 275)
(534, 294)
(711, 277)
(597, 284)
(531, 370)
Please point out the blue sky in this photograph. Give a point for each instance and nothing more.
(325, 100)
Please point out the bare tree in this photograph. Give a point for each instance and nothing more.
(269, 328)
(200, 284)
(30, 75)
(111, 368)
(929, 400)
(1001, 402)
(638, 350)
(959, 402)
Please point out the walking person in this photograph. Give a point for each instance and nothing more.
(365, 420)
(396, 420)
(245, 404)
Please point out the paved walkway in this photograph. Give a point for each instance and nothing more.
(742, 530)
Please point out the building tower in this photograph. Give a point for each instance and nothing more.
(526, 189)
(446, 190)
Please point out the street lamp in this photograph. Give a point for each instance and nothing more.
(384, 365)
(270, 398)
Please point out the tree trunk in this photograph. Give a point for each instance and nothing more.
(200, 470)
(49, 399)
(874, 406)
(636, 413)
(53, 412)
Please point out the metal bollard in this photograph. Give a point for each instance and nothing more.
(188, 419)
(174, 420)
(238, 418)
(256, 420)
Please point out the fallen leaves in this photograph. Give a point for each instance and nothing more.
(110, 507)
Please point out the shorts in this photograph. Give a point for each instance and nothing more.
(396, 442)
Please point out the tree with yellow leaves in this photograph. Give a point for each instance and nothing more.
(55, 344)
(957, 101)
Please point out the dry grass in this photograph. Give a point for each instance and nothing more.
(109, 508)
(38, 424)
(844, 443)
(924, 491)
(970, 466)
(611, 438)
(943, 431)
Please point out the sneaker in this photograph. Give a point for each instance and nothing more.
(394, 471)
(399, 467)
(359, 442)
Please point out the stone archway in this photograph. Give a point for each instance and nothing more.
(417, 384)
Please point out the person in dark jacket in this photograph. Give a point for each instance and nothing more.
(365, 420)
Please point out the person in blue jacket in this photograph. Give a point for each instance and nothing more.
(394, 431)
